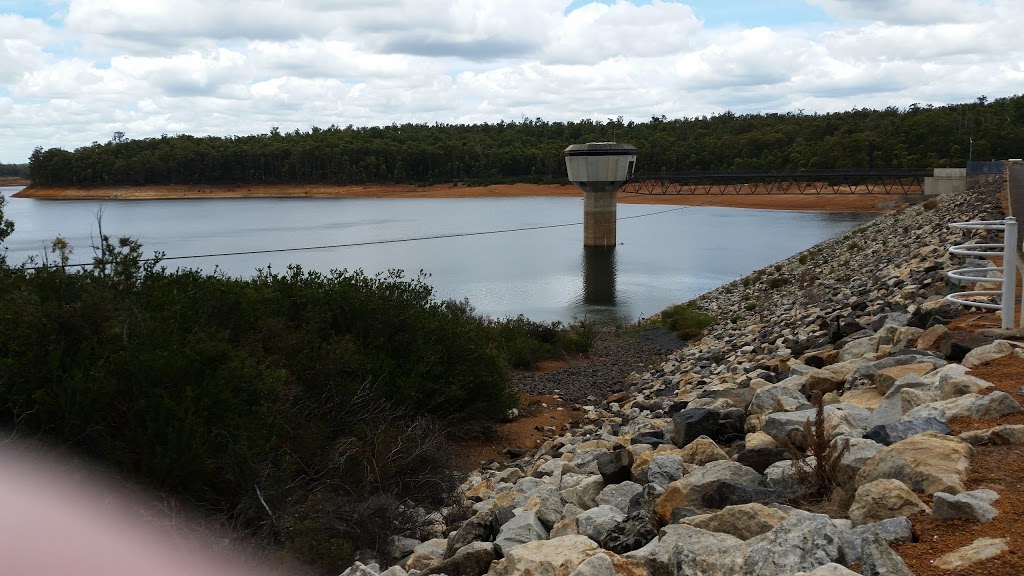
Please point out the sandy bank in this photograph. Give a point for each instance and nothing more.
(811, 201)
(13, 181)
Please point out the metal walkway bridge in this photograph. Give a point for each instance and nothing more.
(784, 182)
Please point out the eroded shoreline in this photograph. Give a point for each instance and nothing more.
(814, 202)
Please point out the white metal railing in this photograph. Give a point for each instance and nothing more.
(1008, 251)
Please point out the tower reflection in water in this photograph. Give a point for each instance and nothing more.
(598, 276)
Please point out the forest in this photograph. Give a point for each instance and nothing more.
(14, 170)
(531, 150)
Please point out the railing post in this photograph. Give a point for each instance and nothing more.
(1009, 272)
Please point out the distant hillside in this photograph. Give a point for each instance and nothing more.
(531, 150)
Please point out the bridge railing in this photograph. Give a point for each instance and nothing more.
(780, 182)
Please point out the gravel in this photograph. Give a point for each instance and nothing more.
(618, 353)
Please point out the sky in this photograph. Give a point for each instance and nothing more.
(75, 71)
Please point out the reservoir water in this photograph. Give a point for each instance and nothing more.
(667, 254)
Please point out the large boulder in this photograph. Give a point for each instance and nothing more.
(585, 493)
(883, 499)
(553, 557)
(878, 559)
(1000, 435)
(701, 451)
(665, 469)
(597, 522)
(978, 551)
(927, 463)
(692, 423)
(988, 353)
(840, 420)
(777, 398)
(893, 530)
(546, 501)
(635, 531)
(472, 560)
(994, 405)
(743, 521)
(975, 506)
(802, 542)
(893, 432)
(522, 528)
(690, 491)
(688, 551)
(619, 495)
(478, 528)
(614, 466)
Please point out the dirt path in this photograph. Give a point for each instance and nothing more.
(797, 201)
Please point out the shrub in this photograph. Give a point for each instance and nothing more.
(259, 401)
(687, 322)
(802, 259)
(750, 306)
(777, 282)
(816, 440)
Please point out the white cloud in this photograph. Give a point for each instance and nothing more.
(242, 66)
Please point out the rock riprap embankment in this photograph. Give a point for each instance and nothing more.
(691, 471)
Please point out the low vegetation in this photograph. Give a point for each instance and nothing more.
(312, 410)
(686, 321)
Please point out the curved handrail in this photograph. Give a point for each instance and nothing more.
(985, 250)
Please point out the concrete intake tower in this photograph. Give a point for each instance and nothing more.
(599, 169)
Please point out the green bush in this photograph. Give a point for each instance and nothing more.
(750, 306)
(802, 259)
(687, 322)
(283, 404)
(526, 342)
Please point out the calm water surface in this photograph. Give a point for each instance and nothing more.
(545, 274)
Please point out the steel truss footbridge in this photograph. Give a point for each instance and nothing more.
(908, 182)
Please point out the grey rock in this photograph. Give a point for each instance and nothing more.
(635, 531)
(857, 454)
(830, 569)
(688, 425)
(800, 543)
(595, 523)
(524, 527)
(882, 499)
(878, 559)
(683, 550)
(893, 530)
(665, 469)
(987, 353)
(994, 405)
(859, 348)
(596, 565)
(975, 506)
(585, 493)
(478, 528)
(777, 398)
(614, 466)
(472, 560)
(360, 569)
(546, 501)
(619, 495)
(893, 432)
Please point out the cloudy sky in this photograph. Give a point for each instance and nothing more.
(74, 71)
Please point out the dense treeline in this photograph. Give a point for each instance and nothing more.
(306, 409)
(15, 170)
(531, 150)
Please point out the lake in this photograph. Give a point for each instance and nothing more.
(666, 255)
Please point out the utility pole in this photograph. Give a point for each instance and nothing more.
(970, 155)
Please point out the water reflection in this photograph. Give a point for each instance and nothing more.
(598, 276)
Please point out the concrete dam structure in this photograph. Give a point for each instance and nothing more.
(600, 169)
